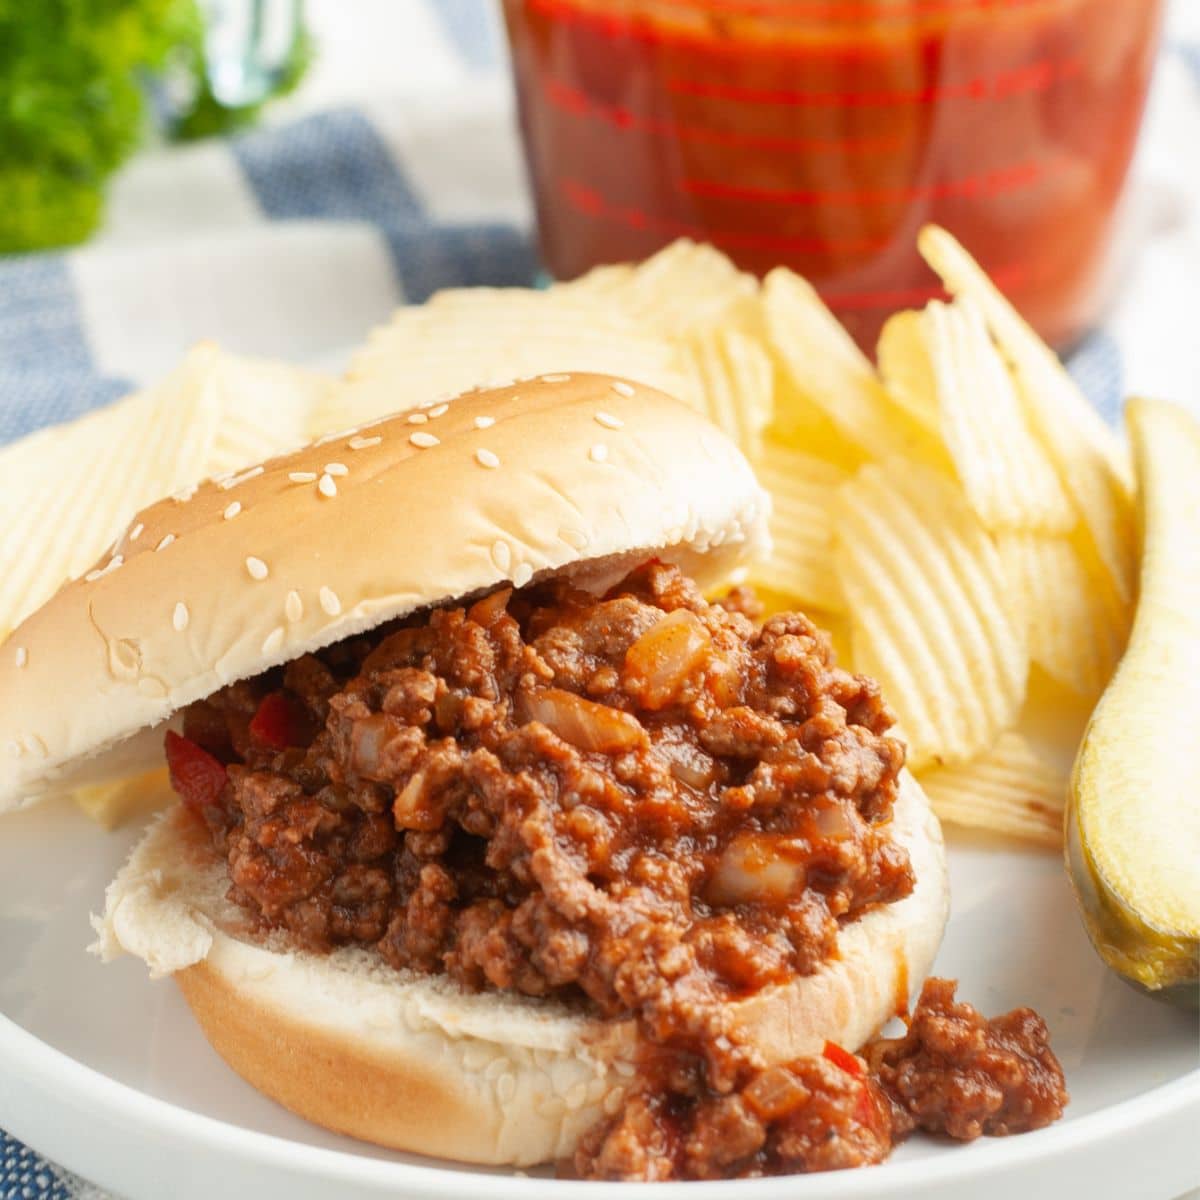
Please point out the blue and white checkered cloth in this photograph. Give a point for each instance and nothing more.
(294, 239)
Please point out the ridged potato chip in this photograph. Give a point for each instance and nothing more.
(1007, 477)
(925, 589)
(114, 804)
(734, 383)
(905, 370)
(684, 287)
(1093, 465)
(1015, 787)
(466, 337)
(803, 490)
(1076, 623)
(267, 408)
(826, 368)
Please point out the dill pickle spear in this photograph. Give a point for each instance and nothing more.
(1133, 815)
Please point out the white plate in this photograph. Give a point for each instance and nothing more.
(104, 1071)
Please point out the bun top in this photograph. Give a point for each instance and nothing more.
(582, 473)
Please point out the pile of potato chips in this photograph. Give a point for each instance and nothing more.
(959, 518)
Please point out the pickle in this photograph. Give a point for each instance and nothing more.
(1133, 814)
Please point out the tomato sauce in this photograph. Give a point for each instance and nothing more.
(823, 134)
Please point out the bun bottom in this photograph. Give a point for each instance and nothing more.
(413, 1063)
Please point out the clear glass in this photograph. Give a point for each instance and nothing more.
(248, 46)
(824, 133)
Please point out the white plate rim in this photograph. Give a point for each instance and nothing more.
(26, 1055)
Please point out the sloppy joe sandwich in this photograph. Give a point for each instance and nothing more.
(503, 834)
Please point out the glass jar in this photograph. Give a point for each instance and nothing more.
(822, 134)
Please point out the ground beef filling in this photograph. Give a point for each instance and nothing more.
(642, 798)
(954, 1072)
(641, 802)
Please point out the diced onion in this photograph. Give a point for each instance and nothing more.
(752, 869)
(662, 660)
(583, 723)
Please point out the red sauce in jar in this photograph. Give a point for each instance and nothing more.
(823, 133)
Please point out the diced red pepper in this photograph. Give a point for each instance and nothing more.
(866, 1112)
(195, 774)
(843, 1058)
(279, 722)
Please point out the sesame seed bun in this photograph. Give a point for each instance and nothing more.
(579, 473)
(414, 1063)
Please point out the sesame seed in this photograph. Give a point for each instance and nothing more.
(622, 388)
(167, 540)
(417, 418)
(609, 421)
(184, 494)
(337, 435)
(485, 458)
(440, 411)
(484, 422)
(523, 574)
(136, 532)
(92, 576)
(233, 510)
(336, 468)
(598, 453)
(329, 601)
(257, 568)
(361, 443)
(327, 487)
(555, 378)
(180, 617)
(424, 441)
(302, 476)
(273, 640)
(501, 555)
(112, 564)
(22, 656)
(293, 606)
(238, 479)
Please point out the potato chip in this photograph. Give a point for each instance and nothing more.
(267, 408)
(1091, 462)
(1007, 477)
(734, 383)
(684, 287)
(600, 283)
(926, 592)
(905, 369)
(115, 804)
(802, 490)
(797, 421)
(1076, 623)
(824, 366)
(475, 336)
(1015, 787)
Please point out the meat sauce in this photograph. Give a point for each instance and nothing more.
(954, 1072)
(642, 803)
